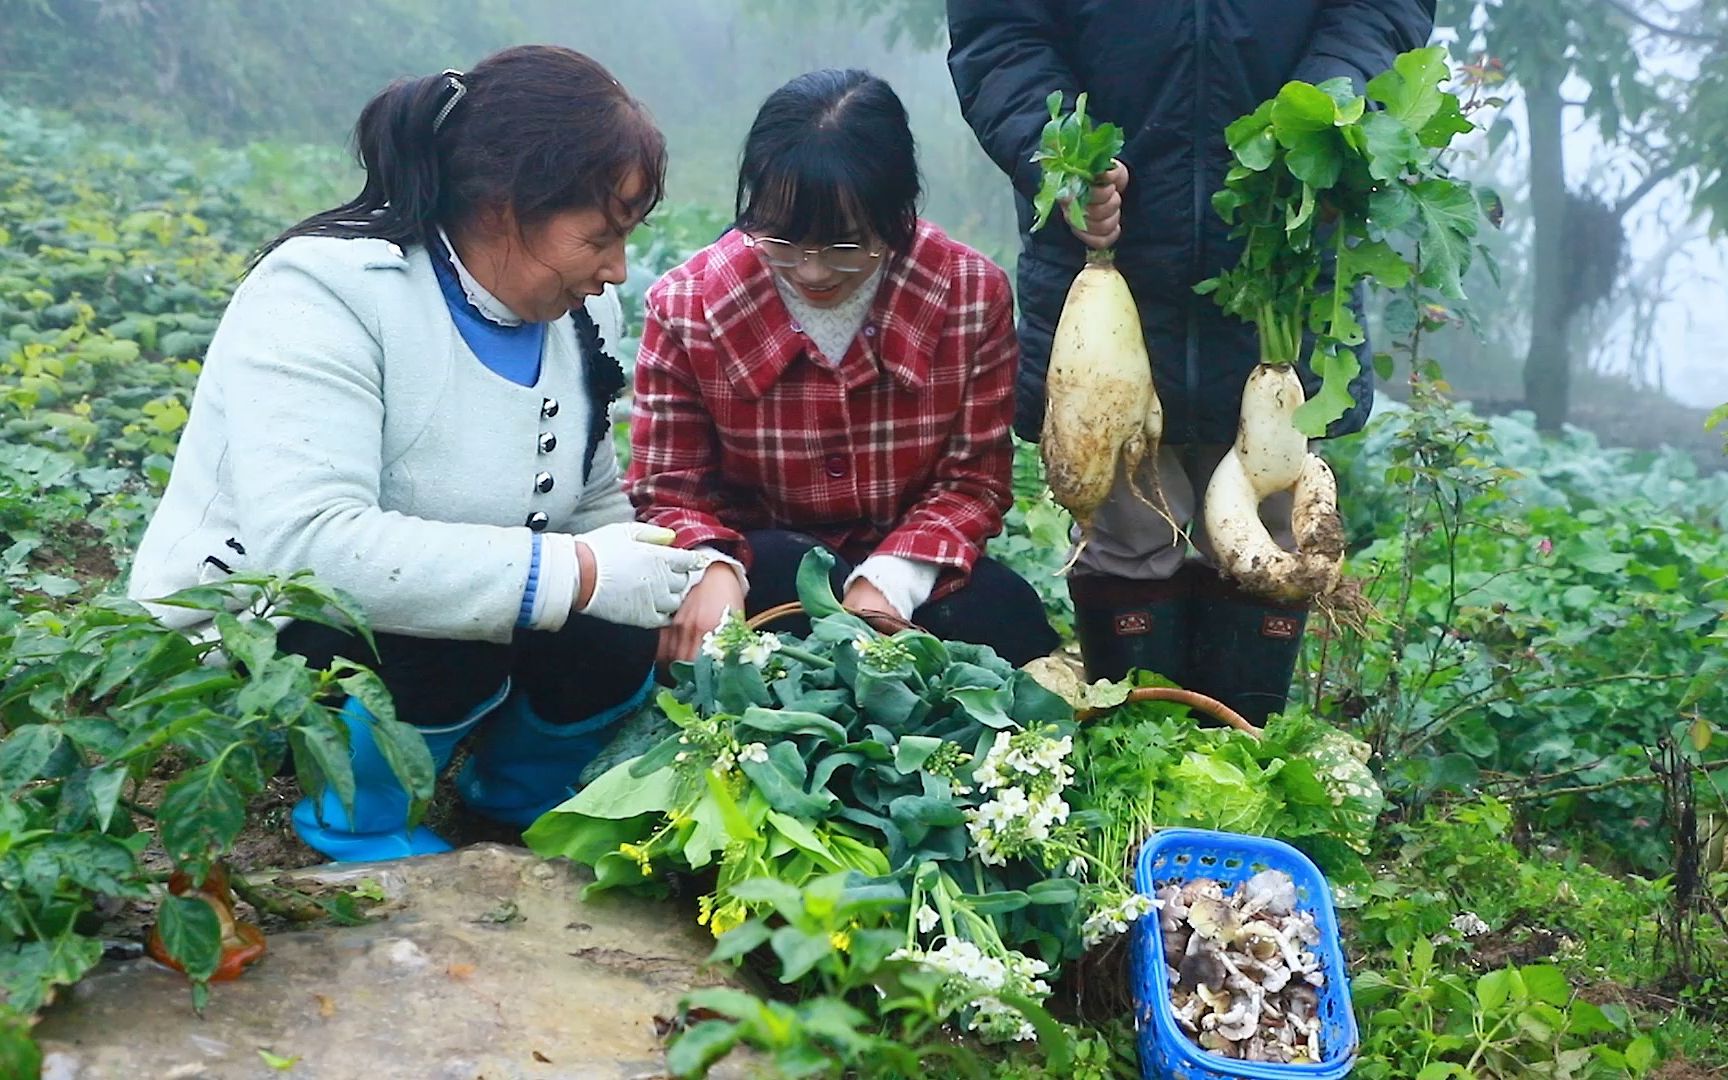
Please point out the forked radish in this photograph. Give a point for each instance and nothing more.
(1269, 456)
(1324, 194)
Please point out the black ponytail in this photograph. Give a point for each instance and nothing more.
(537, 128)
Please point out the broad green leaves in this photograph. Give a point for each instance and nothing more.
(1327, 193)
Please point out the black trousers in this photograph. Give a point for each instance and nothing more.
(997, 607)
(568, 675)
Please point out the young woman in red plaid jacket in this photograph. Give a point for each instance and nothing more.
(834, 371)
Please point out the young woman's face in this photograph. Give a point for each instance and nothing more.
(542, 271)
(825, 273)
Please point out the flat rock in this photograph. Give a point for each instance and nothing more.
(484, 966)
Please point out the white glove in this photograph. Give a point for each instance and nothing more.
(639, 580)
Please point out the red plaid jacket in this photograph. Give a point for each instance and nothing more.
(900, 449)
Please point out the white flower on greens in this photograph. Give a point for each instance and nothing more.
(734, 638)
(927, 919)
(754, 752)
(975, 977)
(1112, 919)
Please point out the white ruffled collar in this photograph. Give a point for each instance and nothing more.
(490, 307)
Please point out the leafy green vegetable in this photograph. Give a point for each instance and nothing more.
(1327, 193)
(1073, 152)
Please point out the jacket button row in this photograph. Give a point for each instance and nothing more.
(542, 482)
(548, 442)
(538, 521)
(835, 465)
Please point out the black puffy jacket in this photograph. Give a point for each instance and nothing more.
(1172, 74)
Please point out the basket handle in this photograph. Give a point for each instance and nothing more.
(885, 622)
(1193, 699)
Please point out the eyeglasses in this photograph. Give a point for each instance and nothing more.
(840, 258)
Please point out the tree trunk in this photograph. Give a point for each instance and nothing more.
(1548, 367)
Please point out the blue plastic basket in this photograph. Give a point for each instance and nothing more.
(1179, 855)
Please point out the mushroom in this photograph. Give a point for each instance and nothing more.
(1271, 891)
(1202, 964)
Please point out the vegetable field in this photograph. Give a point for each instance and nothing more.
(1504, 756)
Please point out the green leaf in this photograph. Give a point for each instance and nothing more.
(277, 1062)
(987, 707)
(1449, 218)
(1410, 91)
(1054, 891)
(1446, 123)
(1493, 989)
(200, 816)
(697, 1048)
(786, 899)
(1391, 146)
(404, 750)
(1304, 121)
(804, 837)
(799, 951)
(791, 722)
(815, 591)
(1333, 399)
(322, 758)
(1545, 982)
(25, 753)
(912, 751)
(998, 903)
(19, 1054)
(1372, 258)
(1641, 1054)
(780, 779)
(192, 934)
(617, 794)
(744, 938)
(34, 968)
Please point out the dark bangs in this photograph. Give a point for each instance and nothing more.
(626, 144)
(829, 152)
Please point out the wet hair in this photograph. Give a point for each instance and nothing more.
(828, 151)
(536, 128)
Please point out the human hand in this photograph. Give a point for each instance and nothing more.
(638, 578)
(719, 590)
(866, 599)
(1103, 210)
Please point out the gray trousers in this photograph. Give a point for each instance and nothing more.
(1131, 539)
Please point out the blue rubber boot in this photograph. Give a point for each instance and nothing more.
(379, 828)
(521, 766)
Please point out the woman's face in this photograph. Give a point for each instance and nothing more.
(827, 273)
(542, 271)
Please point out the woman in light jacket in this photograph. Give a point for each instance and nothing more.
(408, 396)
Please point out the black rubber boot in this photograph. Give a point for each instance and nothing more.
(1123, 624)
(1243, 649)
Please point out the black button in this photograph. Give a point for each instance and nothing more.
(543, 482)
(549, 407)
(538, 521)
(548, 442)
(835, 465)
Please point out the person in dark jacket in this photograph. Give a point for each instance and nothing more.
(1172, 76)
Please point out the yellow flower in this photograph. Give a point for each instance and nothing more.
(841, 939)
(727, 917)
(704, 909)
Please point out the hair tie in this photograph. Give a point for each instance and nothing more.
(458, 90)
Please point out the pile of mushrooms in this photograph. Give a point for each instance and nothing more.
(1243, 978)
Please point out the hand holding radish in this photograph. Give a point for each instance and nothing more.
(1103, 210)
(1101, 409)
